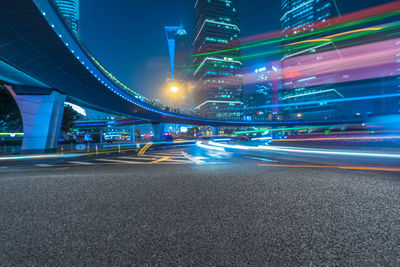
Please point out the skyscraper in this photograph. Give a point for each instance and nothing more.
(300, 17)
(70, 10)
(217, 66)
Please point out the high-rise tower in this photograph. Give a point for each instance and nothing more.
(217, 66)
(299, 19)
(70, 10)
(179, 51)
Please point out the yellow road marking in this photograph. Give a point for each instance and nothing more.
(160, 160)
(144, 149)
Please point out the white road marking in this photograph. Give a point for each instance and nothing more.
(139, 158)
(196, 160)
(174, 163)
(177, 160)
(43, 165)
(166, 154)
(262, 159)
(81, 162)
(120, 161)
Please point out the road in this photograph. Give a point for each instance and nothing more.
(187, 205)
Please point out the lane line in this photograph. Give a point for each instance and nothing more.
(139, 158)
(371, 169)
(195, 160)
(166, 153)
(389, 169)
(144, 149)
(173, 163)
(43, 165)
(160, 160)
(179, 160)
(120, 161)
(81, 163)
(262, 159)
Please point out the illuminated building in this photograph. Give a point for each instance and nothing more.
(299, 17)
(304, 45)
(70, 10)
(218, 75)
(266, 93)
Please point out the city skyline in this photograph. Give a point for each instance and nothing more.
(106, 160)
(131, 60)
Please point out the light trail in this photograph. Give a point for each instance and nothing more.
(333, 167)
(213, 145)
(266, 131)
(350, 20)
(350, 99)
(200, 144)
(329, 152)
(341, 138)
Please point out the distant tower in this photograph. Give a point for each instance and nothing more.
(180, 60)
(70, 10)
(179, 48)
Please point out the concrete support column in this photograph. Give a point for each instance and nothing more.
(133, 134)
(41, 118)
(158, 131)
(215, 130)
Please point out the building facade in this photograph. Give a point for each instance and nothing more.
(299, 17)
(263, 103)
(70, 10)
(217, 65)
(341, 91)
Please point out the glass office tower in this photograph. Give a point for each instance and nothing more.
(217, 65)
(299, 17)
(70, 10)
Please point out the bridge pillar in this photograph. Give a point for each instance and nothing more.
(41, 113)
(133, 134)
(158, 131)
(215, 130)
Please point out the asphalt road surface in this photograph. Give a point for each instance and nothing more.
(191, 206)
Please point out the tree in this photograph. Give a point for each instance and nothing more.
(193, 131)
(138, 134)
(70, 115)
(10, 117)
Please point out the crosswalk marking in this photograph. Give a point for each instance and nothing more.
(43, 165)
(81, 162)
(173, 163)
(166, 152)
(178, 160)
(139, 158)
(120, 161)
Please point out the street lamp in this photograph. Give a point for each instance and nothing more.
(175, 91)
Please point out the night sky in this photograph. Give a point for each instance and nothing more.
(128, 38)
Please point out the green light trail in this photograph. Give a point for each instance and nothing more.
(289, 129)
(292, 38)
